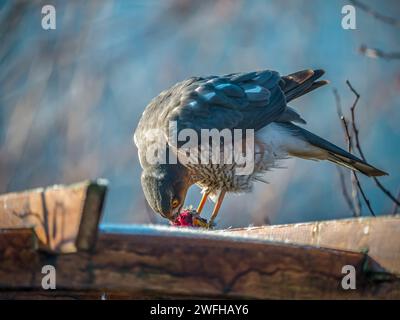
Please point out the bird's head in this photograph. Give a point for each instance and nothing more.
(165, 188)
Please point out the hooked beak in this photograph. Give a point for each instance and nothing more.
(174, 213)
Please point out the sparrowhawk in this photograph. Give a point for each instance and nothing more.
(255, 100)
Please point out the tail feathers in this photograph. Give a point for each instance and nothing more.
(322, 149)
(299, 83)
(358, 165)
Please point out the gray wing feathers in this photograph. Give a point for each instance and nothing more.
(248, 100)
(291, 115)
(242, 100)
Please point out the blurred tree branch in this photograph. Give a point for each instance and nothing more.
(355, 133)
(375, 52)
(396, 204)
(358, 144)
(348, 136)
(378, 53)
(349, 139)
(354, 202)
(377, 15)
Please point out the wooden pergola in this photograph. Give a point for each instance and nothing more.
(59, 226)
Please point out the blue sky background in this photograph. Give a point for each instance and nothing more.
(70, 98)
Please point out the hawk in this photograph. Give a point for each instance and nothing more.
(255, 100)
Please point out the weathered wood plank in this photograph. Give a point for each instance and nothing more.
(169, 262)
(17, 247)
(379, 236)
(18, 239)
(64, 218)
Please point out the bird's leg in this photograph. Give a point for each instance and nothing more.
(202, 202)
(216, 208)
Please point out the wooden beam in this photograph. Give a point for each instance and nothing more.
(17, 246)
(64, 218)
(379, 236)
(153, 262)
(18, 239)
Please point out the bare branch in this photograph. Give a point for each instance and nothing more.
(354, 193)
(396, 204)
(353, 118)
(358, 145)
(355, 180)
(354, 204)
(345, 192)
(343, 120)
(366, 200)
(377, 15)
(378, 53)
(396, 200)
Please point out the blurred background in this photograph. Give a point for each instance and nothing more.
(71, 98)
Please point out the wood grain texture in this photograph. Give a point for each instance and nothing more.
(180, 264)
(379, 236)
(64, 218)
(17, 248)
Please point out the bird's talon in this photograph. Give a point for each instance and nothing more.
(210, 225)
(200, 222)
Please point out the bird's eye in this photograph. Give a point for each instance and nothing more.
(175, 203)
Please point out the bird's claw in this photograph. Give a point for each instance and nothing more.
(210, 225)
(191, 218)
(200, 222)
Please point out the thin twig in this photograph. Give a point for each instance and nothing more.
(366, 200)
(377, 15)
(355, 204)
(345, 192)
(358, 146)
(396, 200)
(355, 131)
(378, 53)
(354, 193)
(353, 117)
(343, 121)
(396, 204)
